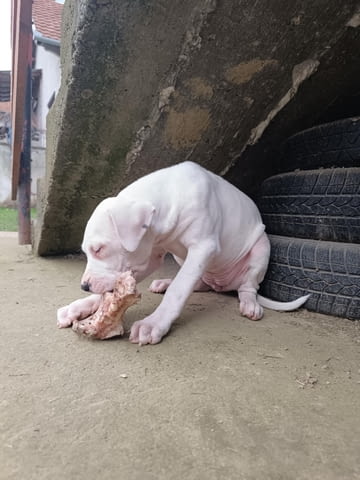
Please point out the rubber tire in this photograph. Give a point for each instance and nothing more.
(335, 144)
(316, 204)
(330, 271)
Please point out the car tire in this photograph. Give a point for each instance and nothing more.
(321, 204)
(335, 144)
(329, 271)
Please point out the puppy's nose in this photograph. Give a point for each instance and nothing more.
(85, 286)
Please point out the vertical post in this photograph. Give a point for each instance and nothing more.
(24, 188)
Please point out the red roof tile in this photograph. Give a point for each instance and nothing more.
(46, 16)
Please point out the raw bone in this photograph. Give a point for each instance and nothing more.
(107, 321)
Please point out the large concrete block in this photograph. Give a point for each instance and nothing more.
(150, 84)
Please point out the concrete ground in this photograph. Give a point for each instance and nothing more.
(220, 398)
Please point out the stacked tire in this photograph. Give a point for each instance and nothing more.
(312, 213)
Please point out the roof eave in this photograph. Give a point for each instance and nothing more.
(46, 40)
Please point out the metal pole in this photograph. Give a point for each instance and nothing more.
(24, 189)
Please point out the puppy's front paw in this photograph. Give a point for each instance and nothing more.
(160, 286)
(77, 310)
(147, 331)
(63, 318)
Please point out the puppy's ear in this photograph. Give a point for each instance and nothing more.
(131, 219)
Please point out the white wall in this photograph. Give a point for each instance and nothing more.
(48, 61)
(5, 173)
(37, 171)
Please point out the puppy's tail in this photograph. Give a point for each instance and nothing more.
(282, 306)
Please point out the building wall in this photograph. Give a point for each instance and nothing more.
(48, 61)
(37, 171)
(5, 173)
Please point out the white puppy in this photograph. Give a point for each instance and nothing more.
(213, 230)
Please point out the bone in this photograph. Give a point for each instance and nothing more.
(108, 319)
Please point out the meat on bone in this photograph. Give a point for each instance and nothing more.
(108, 319)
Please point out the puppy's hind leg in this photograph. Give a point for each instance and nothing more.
(258, 259)
(161, 285)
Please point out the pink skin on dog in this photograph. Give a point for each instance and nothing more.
(213, 230)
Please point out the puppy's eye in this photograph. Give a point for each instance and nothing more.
(97, 250)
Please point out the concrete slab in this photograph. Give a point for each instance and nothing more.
(145, 86)
(220, 398)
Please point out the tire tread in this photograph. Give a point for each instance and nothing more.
(334, 144)
(322, 204)
(330, 271)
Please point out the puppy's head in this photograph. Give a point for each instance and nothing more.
(117, 238)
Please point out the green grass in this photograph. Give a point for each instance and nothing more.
(9, 219)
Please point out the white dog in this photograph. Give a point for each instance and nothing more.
(213, 230)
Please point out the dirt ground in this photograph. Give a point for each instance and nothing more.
(220, 398)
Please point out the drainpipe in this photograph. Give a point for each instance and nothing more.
(45, 40)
